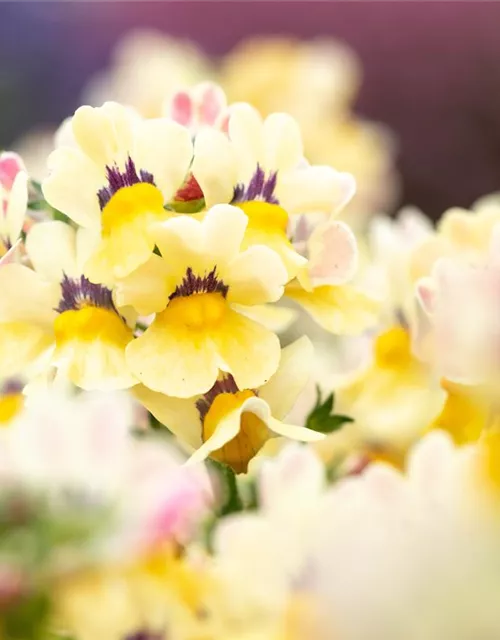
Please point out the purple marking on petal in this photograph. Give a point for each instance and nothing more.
(11, 387)
(259, 188)
(225, 385)
(118, 179)
(144, 634)
(208, 283)
(80, 292)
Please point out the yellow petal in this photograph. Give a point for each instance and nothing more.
(21, 343)
(341, 310)
(173, 358)
(292, 375)
(247, 350)
(90, 348)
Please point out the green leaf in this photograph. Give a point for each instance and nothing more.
(322, 418)
(189, 206)
(27, 619)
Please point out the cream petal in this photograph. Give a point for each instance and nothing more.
(86, 242)
(293, 432)
(51, 247)
(248, 351)
(426, 293)
(246, 133)
(73, 184)
(224, 228)
(182, 240)
(333, 254)
(104, 133)
(256, 276)
(315, 189)
(26, 297)
(283, 142)
(214, 166)
(164, 149)
(341, 310)
(95, 365)
(12, 255)
(21, 344)
(173, 360)
(179, 415)
(17, 206)
(276, 318)
(292, 375)
(146, 289)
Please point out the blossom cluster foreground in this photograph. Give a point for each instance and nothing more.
(225, 414)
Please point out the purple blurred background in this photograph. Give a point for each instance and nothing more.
(431, 71)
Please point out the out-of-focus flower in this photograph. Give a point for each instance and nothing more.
(231, 424)
(317, 82)
(391, 246)
(56, 313)
(80, 451)
(147, 68)
(116, 180)
(461, 299)
(204, 105)
(394, 399)
(13, 203)
(199, 291)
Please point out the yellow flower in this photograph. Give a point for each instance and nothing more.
(394, 399)
(55, 312)
(231, 424)
(11, 401)
(115, 180)
(199, 290)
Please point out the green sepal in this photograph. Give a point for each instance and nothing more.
(322, 418)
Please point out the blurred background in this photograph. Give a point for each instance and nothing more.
(428, 72)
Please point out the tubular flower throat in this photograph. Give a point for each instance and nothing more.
(128, 196)
(224, 397)
(87, 312)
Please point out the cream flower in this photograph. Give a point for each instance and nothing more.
(13, 202)
(231, 424)
(323, 286)
(259, 166)
(55, 312)
(116, 180)
(197, 290)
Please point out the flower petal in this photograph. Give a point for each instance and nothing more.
(293, 432)
(21, 343)
(179, 415)
(246, 132)
(292, 375)
(164, 149)
(174, 360)
(51, 247)
(248, 351)
(283, 142)
(341, 310)
(17, 206)
(214, 166)
(315, 189)
(26, 297)
(73, 185)
(276, 318)
(256, 276)
(333, 254)
(146, 289)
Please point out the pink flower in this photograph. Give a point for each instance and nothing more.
(204, 105)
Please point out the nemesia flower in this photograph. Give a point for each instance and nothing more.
(82, 446)
(259, 167)
(116, 180)
(461, 300)
(199, 290)
(56, 312)
(323, 286)
(11, 400)
(393, 399)
(204, 105)
(230, 424)
(13, 202)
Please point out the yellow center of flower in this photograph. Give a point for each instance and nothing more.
(89, 324)
(393, 349)
(264, 216)
(129, 203)
(10, 405)
(253, 433)
(197, 311)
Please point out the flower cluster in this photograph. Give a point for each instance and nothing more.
(224, 414)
